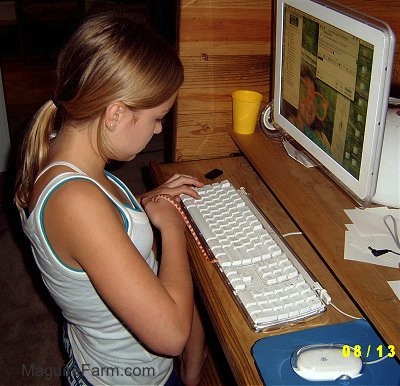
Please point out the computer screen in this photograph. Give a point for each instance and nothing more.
(332, 73)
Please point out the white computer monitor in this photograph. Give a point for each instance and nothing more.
(332, 74)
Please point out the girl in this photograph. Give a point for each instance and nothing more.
(126, 316)
(312, 110)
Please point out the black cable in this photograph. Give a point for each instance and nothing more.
(380, 252)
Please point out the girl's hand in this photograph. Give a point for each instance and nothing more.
(162, 214)
(176, 185)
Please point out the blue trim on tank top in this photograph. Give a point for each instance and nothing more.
(42, 222)
(132, 199)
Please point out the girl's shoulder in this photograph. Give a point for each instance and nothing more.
(49, 179)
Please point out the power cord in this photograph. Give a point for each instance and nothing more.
(380, 252)
(392, 228)
(393, 232)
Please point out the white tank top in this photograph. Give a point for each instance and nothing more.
(105, 350)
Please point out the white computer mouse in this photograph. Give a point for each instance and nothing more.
(326, 362)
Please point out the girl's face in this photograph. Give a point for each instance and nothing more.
(136, 128)
(306, 104)
(312, 104)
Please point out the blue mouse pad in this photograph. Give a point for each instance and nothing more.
(272, 355)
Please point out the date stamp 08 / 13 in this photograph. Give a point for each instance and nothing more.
(367, 350)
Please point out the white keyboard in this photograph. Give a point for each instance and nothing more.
(270, 285)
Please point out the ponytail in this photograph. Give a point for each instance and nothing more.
(34, 151)
(109, 58)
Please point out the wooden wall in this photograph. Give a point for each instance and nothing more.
(226, 45)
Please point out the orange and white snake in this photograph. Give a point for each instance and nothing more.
(188, 224)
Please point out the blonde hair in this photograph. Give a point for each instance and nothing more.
(109, 58)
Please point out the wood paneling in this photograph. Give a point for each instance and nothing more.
(388, 11)
(226, 45)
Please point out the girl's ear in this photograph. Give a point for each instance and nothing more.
(113, 115)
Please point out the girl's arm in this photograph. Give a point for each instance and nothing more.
(194, 354)
(87, 232)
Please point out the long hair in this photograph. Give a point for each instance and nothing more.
(109, 58)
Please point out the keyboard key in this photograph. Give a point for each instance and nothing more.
(265, 317)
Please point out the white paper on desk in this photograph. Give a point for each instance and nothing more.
(395, 285)
(385, 241)
(370, 221)
(356, 248)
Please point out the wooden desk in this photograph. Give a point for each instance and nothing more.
(316, 204)
(234, 335)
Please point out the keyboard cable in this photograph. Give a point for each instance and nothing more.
(322, 292)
